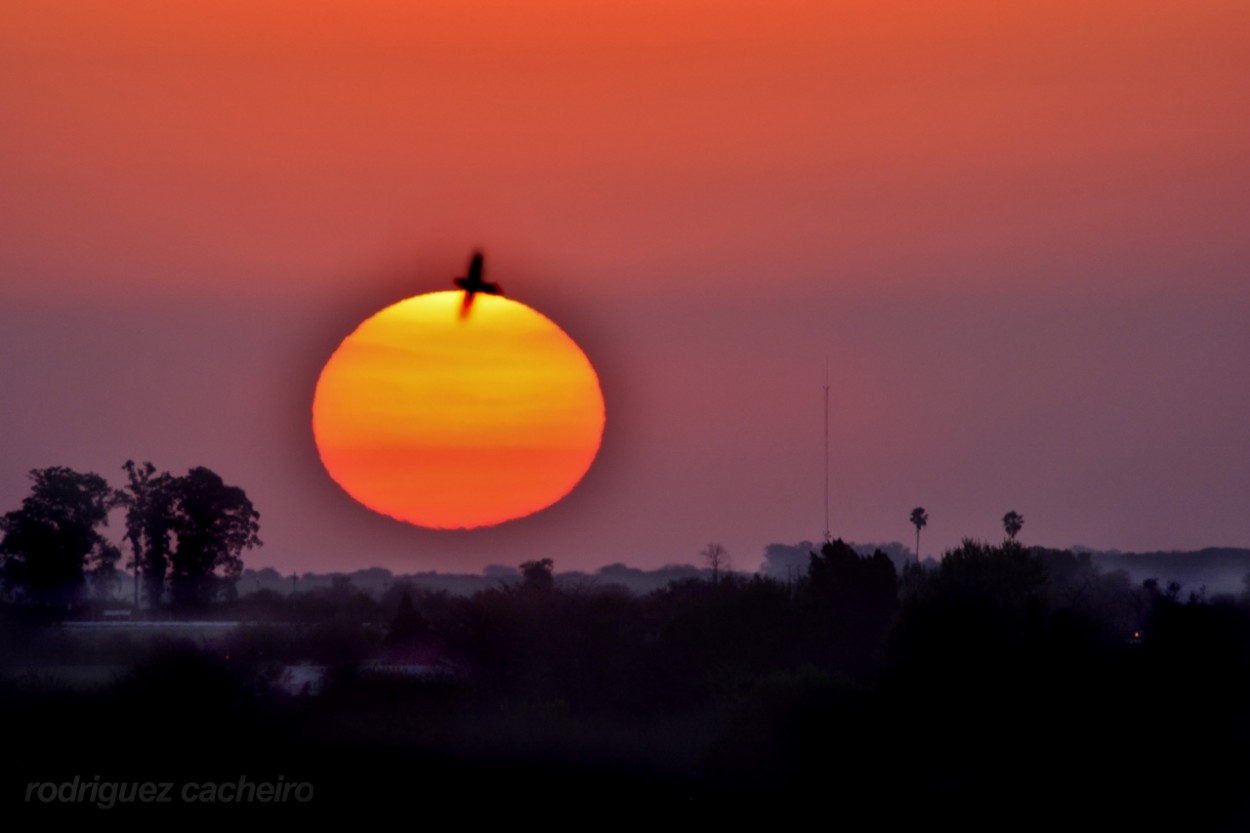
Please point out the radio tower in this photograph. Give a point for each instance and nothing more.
(828, 536)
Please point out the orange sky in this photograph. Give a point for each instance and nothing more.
(999, 220)
(302, 139)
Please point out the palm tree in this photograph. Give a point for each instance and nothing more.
(1012, 522)
(918, 519)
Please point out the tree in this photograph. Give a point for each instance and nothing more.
(408, 625)
(852, 602)
(1013, 521)
(537, 575)
(212, 524)
(1003, 577)
(978, 607)
(717, 557)
(52, 544)
(919, 518)
(148, 499)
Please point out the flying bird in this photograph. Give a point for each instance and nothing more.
(473, 284)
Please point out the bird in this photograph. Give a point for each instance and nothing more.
(473, 284)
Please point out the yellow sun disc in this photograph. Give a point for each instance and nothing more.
(452, 421)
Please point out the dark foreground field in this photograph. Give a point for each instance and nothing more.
(1006, 688)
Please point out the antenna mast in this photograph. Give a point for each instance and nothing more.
(828, 537)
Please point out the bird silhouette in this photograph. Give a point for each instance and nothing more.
(473, 284)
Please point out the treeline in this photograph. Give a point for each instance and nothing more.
(378, 580)
(185, 534)
(1002, 680)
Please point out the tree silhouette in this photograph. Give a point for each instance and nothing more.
(148, 498)
(408, 625)
(919, 518)
(717, 557)
(212, 523)
(536, 575)
(1013, 521)
(852, 601)
(51, 544)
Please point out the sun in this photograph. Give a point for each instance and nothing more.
(451, 421)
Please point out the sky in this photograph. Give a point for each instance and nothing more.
(1016, 233)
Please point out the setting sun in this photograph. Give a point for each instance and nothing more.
(451, 421)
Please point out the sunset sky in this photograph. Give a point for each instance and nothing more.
(1018, 231)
